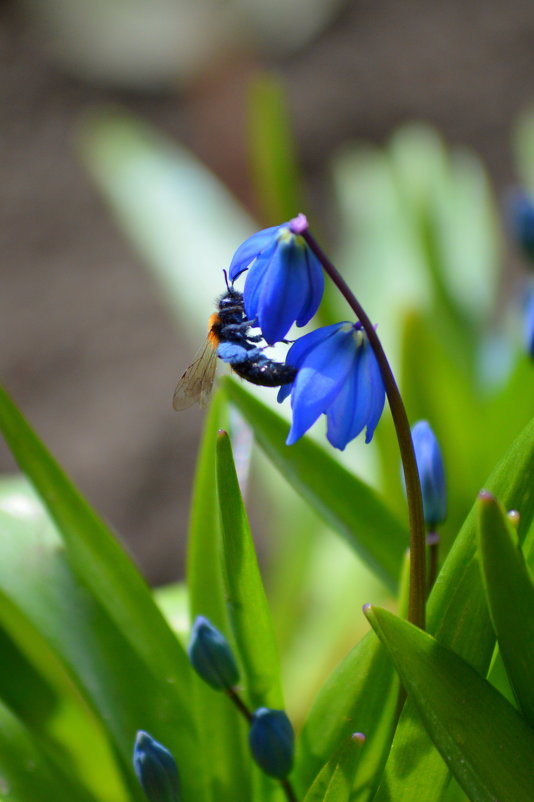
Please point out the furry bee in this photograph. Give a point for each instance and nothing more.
(229, 339)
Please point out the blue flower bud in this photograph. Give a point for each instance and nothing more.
(211, 656)
(272, 742)
(521, 217)
(431, 473)
(155, 769)
(529, 324)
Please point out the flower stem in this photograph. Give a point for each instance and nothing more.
(432, 540)
(416, 603)
(246, 713)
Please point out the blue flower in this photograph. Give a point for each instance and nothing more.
(521, 220)
(431, 473)
(211, 656)
(338, 375)
(156, 769)
(272, 741)
(285, 281)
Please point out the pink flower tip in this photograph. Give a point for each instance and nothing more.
(298, 224)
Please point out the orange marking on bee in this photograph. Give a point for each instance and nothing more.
(213, 337)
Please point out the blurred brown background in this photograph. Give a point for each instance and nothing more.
(87, 349)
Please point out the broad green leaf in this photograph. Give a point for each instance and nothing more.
(335, 780)
(482, 738)
(510, 594)
(458, 618)
(247, 605)
(359, 696)
(342, 500)
(272, 151)
(221, 729)
(204, 577)
(27, 773)
(129, 620)
(65, 649)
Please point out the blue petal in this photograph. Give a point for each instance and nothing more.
(284, 391)
(319, 380)
(307, 342)
(283, 293)
(250, 249)
(315, 285)
(372, 370)
(255, 281)
(348, 414)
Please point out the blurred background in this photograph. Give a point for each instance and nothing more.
(89, 349)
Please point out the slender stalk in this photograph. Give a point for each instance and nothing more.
(246, 713)
(417, 597)
(239, 703)
(432, 540)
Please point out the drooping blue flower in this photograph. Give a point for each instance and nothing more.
(285, 281)
(272, 742)
(210, 655)
(337, 375)
(431, 473)
(521, 220)
(156, 769)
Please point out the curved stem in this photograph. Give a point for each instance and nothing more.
(416, 604)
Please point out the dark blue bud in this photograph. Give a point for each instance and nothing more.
(521, 220)
(272, 741)
(529, 324)
(431, 473)
(211, 656)
(155, 769)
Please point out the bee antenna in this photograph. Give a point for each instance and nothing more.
(226, 280)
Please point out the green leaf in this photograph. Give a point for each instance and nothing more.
(458, 617)
(342, 500)
(335, 780)
(127, 621)
(248, 609)
(272, 150)
(222, 731)
(62, 640)
(27, 773)
(482, 738)
(359, 696)
(510, 594)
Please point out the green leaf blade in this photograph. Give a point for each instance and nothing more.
(247, 604)
(482, 738)
(335, 780)
(510, 594)
(414, 768)
(359, 696)
(346, 503)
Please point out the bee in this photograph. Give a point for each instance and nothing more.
(229, 339)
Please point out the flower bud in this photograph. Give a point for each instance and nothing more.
(211, 656)
(431, 473)
(521, 217)
(272, 741)
(528, 324)
(156, 769)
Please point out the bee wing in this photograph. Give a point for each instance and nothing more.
(196, 382)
